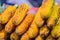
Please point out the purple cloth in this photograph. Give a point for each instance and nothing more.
(26, 1)
(23, 1)
(58, 1)
(20, 2)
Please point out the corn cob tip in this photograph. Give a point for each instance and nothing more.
(16, 5)
(24, 4)
(56, 3)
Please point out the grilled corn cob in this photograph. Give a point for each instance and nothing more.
(18, 17)
(46, 8)
(25, 24)
(56, 29)
(9, 26)
(7, 14)
(3, 35)
(20, 14)
(44, 31)
(25, 37)
(33, 30)
(39, 38)
(14, 36)
(54, 16)
(38, 19)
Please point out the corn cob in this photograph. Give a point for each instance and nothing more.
(25, 37)
(14, 36)
(56, 29)
(24, 25)
(46, 8)
(54, 16)
(7, 14)
(38, 19)
(50, 38)
(38, 38)
(44, 31)
(3, 35)
(20, 14)
(33, 30)
(9, 26)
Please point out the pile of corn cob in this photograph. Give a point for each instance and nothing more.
(19, 24)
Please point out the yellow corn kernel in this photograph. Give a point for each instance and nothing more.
(54, 16)
(14, 36)
(20, 14)
(7, 14)
(25, 37)
(38, 38)
(24, 25)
